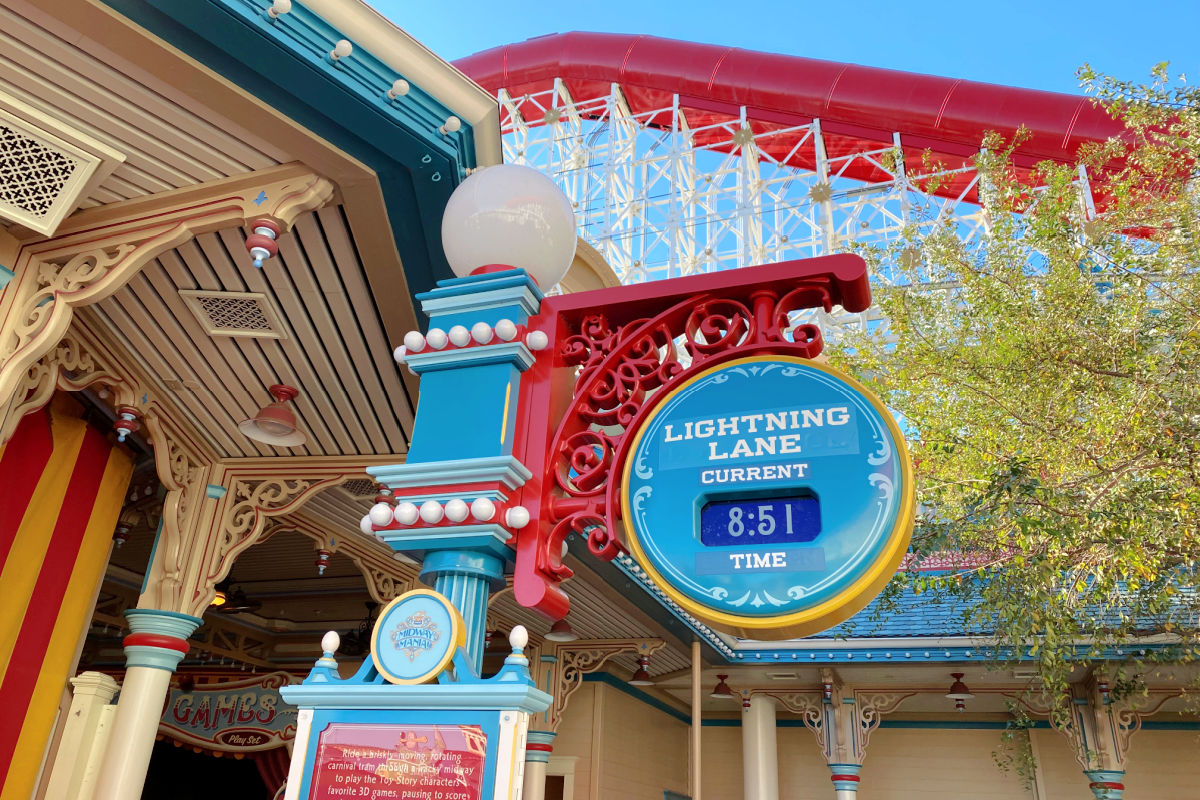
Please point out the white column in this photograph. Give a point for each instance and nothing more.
(139, 710)
(155, 646)
(538, 747)
(697, 665)
(760, 755)
(535, 781)
(91, 692)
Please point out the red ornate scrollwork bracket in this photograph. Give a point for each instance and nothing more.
(614, 352)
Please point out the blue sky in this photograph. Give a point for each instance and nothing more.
(1020, 43)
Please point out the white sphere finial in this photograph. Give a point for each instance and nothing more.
(510, 215)
(399, 88)
(341, 49)
(330, 642)
(518, 637)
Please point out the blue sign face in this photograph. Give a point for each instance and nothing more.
(770, 496)
(415, 637)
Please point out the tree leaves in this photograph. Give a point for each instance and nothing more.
(1050, 374)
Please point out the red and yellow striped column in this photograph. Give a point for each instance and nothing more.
(62, 484)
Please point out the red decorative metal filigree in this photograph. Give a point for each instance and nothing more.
(615, 352)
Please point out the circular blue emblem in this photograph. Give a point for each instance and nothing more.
(770, 496)
(415, 637)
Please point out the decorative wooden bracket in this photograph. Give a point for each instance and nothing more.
(1097, 726)
(841, 719)
(386, 577)
(237, 498)
(570, 661)
(98, 250)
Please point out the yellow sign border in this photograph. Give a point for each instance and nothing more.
(458, 637)
(836, 609)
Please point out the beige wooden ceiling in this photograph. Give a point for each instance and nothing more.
(352, 399)
(167, 141)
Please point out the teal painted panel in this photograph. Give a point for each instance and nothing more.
(461, 414)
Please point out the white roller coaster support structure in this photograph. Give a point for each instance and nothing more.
(661, 198)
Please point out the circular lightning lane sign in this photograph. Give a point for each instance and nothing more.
(770, 496)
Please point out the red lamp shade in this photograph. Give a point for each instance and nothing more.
(722, 691)
(275, 423)
(561, 631)
(959, 692)
(642, 676)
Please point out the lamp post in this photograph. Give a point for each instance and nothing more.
(508, 233)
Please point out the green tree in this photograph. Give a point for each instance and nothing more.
(1050, 374)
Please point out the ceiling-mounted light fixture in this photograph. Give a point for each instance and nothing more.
(261, 242)
(238, 601)
(126, 422)
(561, 631)
(959, 692)
(275, 423)
(642, 676)
(722, 691)
(222, 595)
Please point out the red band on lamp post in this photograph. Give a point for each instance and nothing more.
(1107, 785)
(844, 778)
(488, 269)
(545, 748)
(156, 640)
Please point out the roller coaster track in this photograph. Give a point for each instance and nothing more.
(685, 158)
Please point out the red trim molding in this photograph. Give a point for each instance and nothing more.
(545, 748)
(844, 778)
(156, 640)
(1107, 785)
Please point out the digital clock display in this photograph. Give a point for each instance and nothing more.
(760, 520)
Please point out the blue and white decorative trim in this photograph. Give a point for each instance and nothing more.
(506, 470)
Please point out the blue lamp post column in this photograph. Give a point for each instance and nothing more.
(452, 497)
(452, 501)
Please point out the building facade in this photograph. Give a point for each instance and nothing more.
(214, 221)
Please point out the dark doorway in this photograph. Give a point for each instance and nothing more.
(555, 786)
(181, 774)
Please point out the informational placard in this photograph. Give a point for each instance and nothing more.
(770, 496)
(413, 762)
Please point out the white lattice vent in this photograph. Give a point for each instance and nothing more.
(235, 314)
(46, 167)
(360, 487)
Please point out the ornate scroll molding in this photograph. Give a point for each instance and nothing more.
(76, 362)
(97, 251)
(576, 659)
(1097, 726)
(238, 499)
(840, 718)
(806, 705)
(608, 366)
(386, 577)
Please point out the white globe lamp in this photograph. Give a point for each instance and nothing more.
(509, 216)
